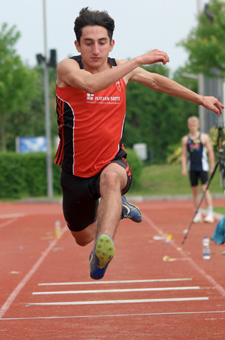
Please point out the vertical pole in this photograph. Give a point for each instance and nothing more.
(47, 112)
(201, 87)
(199, 6)
(201, 109)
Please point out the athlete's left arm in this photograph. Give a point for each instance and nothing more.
(207, 143)
(163, 84)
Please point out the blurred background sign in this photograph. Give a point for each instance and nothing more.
(141, 150)
(31, 144)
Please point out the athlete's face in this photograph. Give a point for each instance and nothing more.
(94, 47)
(193, 127)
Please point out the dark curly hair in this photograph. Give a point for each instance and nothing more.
(87, 17)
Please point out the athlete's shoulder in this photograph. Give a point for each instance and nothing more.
(78, 59)
(204, 135)
(184, 139)
(204, 138)
(66, 69)
(68, 62)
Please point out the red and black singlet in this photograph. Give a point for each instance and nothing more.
(90, 126)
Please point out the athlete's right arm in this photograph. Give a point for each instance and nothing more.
(207, 143)
(184, 156)
(69, 72)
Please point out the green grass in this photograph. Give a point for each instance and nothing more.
(220, 210)
(168, 180)
(158, 180)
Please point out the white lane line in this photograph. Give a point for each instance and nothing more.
(106, 302)
(111, 315)
(115, 290)
(8, 222)
(194, 265)
(12, 215)
(17, 290)
(111, 282)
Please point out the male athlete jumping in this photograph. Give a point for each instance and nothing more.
(91, 107)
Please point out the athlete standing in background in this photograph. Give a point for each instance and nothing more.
(196, 145)
(91, 108)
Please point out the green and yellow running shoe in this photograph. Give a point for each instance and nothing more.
(101, 255)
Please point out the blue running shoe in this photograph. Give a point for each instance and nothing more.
(130, 211)
(101, 255)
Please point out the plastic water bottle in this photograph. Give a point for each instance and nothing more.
(206, 248)
(57, 229)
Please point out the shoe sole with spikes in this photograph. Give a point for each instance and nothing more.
(101, 256)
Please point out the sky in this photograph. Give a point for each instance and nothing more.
(140, 26)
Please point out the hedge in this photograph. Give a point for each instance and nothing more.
(24, 175)
(136, 168)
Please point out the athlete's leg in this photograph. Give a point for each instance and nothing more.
(85, 236)
(112, 181)
(117, 170)
(193, 176)
(204, 179)
(195, 196)
(208, 198)
(209, 205)
(79, 207)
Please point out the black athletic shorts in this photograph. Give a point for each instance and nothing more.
(195, 175)
(80, 197)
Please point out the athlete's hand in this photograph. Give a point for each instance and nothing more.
(184, 172)
(154, 56)
(213, 104)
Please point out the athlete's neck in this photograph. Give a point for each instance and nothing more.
(194, 135)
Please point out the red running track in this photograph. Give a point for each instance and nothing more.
(152, 289)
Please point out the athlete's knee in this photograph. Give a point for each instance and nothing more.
(110, 180)
(82, 242)
(84, 237)
(195, 189)
(204, 187)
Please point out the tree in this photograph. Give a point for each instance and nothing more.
(205, 43)
(32, 122)
(17, 82)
